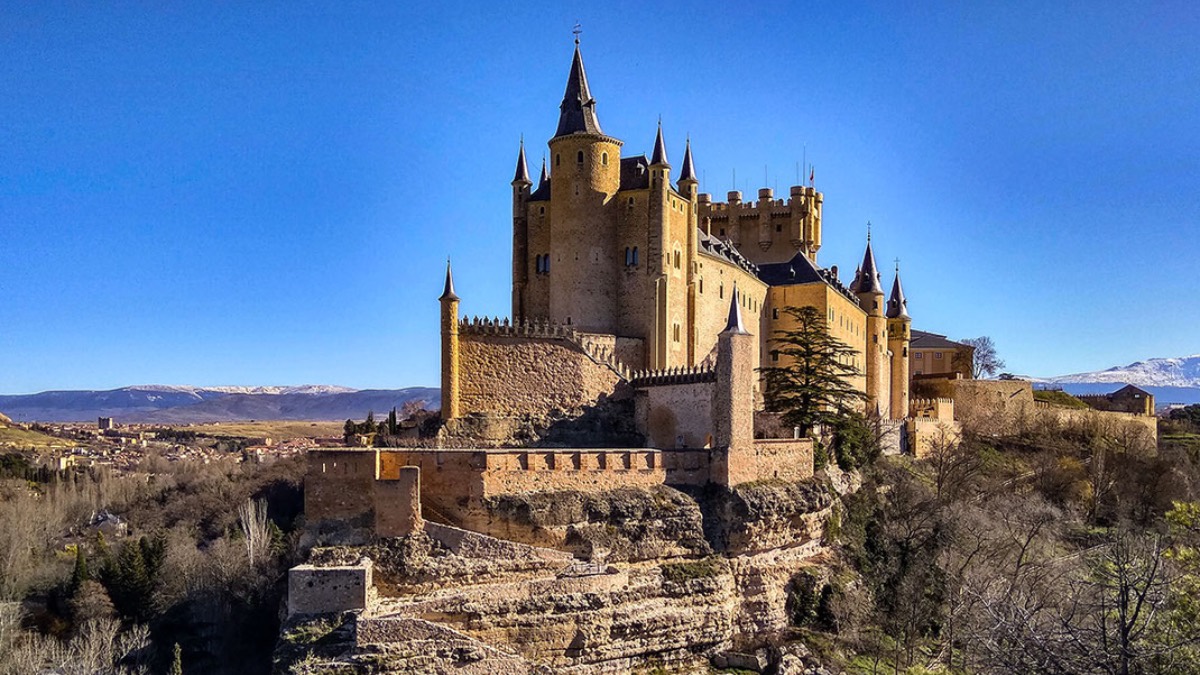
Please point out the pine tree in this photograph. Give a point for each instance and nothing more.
(177, 661)
(393, 425)
(813, 386)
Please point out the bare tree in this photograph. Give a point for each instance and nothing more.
(253, 514)
(984, 359)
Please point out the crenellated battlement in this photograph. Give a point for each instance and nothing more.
(669, 376)
(601, 354)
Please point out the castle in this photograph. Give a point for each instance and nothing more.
(642, 313)
(641, 267)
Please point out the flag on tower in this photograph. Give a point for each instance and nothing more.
(812, 174)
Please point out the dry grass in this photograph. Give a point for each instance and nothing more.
(280, 430)
(16, 437)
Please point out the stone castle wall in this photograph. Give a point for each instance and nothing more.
(513, 375)
(676, 415)
(330, 590)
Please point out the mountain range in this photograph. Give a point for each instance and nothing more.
(1171, 380)
(169, 404)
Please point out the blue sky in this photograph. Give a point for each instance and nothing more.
(265, 193)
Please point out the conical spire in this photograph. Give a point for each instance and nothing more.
(545, 174)
(448, 291)
(734, 324)
(659, 156)
(577, 113)
(897, 307)
(689, 172)
(522, 174)
(868, 281)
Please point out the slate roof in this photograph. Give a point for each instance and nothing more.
(801, 270)
(688, 172)
(721, 248)
(868, 278)
(897, 306)
(924, 340)
(522, 172)
(659, 155)
(635, 173)
(577, 112)
(542, 193)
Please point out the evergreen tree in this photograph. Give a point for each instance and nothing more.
(813, 386)
(393, 425)
(80, 574)
(176, 660)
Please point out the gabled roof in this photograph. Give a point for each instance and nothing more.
(722, 248)
(635, 173)
(577, 112)
(924, 340)
(801, 270)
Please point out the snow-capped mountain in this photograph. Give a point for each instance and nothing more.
(182, 404)
(1183, 371)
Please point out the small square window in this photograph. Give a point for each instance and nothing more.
(920, 355)
(937, 355)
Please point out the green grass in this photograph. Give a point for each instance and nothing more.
(693, 569)
(1061, 398)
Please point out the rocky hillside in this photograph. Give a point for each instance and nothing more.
(181, 405)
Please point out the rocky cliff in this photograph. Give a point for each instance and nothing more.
(656, 584)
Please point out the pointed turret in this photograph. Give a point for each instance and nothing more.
(545, 175)
(734, 324)
(868, 281)
(688, 172)
(897, 307)
(659, 156)
(577, 113)
(448, 290)
(521, 177)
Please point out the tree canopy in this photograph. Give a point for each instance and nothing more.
(812, 384)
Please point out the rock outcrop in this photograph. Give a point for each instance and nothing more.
(637, 587)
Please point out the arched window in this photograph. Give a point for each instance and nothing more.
(604, 158)
(635, 256)
(539, 264)
(579, 157)
(546, 263)
(628, 256)
(721, 291)
(557, 159)
(701, 285)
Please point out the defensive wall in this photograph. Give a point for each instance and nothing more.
(535, 368)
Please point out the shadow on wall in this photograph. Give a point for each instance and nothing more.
(607, 424)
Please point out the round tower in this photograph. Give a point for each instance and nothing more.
(520, 249)
(870, 297)
(449, 324)
(586, 164)
(899, 329)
